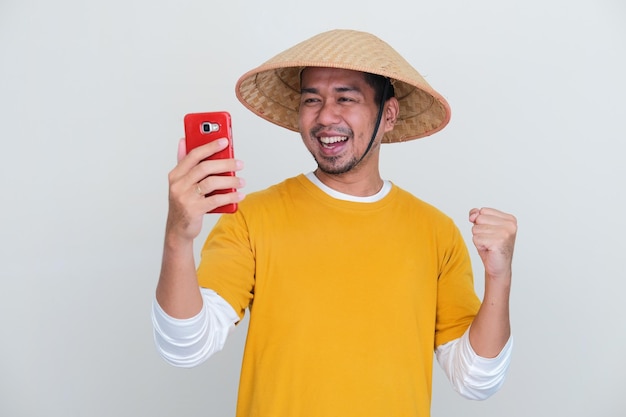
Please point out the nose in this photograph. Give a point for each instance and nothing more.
(328, 113)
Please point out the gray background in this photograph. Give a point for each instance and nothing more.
(92, 96)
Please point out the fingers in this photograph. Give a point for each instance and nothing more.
(186, 161)
(493, 229)
(210, 168)
(218, 199)
(218, 190)
(216, 183)
(487, 216)
(489, 221)
(194, 166)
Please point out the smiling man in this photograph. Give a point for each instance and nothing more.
(350, 281)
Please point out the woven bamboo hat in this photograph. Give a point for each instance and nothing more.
(272, 90)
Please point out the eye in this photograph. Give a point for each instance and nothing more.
(346, 99)
(309, 100)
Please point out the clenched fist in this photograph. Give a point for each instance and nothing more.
(493, 235)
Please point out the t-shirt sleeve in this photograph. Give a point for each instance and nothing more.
(227, 263)
(457, 303)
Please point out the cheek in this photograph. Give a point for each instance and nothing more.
(305, 119)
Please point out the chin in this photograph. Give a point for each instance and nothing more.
(337, 169)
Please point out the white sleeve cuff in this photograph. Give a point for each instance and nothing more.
(473, 376)
(189, 342)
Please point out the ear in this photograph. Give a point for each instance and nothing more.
(390, 115)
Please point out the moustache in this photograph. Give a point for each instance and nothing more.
(344, 131)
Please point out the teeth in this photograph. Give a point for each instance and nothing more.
(333, 139)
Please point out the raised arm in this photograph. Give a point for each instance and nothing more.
(494, 237)
(177, 291)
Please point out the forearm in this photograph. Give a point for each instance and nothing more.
(491, 327)
(177, 291)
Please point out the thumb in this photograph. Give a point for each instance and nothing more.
(473, 214)
(182, 149)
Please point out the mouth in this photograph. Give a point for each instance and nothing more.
(330, 142)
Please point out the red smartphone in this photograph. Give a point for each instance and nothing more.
(202, 128)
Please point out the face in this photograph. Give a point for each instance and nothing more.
(337, 117)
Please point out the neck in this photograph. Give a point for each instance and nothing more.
(355, 184)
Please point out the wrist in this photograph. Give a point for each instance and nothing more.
(176, 242)
(502, 276)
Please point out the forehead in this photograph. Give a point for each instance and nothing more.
(321, 76)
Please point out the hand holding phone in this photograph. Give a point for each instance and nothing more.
(202, 128)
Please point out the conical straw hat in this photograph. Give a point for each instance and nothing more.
(272, 90)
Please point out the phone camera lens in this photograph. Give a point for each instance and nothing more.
(208, 127)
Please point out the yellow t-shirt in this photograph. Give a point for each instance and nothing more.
(347, 300)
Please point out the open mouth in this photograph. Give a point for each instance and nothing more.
(331, 141)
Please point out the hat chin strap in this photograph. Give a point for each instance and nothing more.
(377, 126)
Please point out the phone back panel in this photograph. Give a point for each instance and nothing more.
(202, 128)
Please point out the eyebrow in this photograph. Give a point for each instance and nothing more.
(346, 89)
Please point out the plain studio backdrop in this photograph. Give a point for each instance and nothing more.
(92, 97)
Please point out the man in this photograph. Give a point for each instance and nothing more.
(351, 282)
